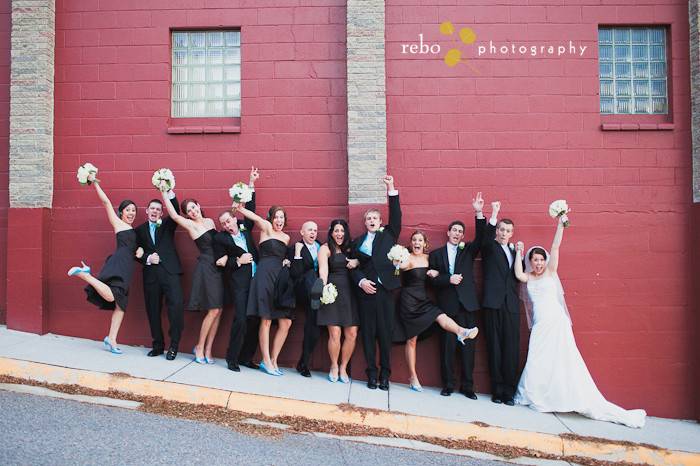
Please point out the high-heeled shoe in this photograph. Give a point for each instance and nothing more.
(76, 270)
(209, 360)
(344, 378)
(279, 371)
(332, 378)
(262, 367)
(467, 334)
(196, 359)
(416, 387)
(109, 347)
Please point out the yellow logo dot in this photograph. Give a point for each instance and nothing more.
(467, 35)
(453, 57)
(447, 28)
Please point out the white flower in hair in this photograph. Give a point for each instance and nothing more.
(241, 193)
(329, 294)
(163, 174)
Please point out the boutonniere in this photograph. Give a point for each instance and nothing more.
(511, 246)
(159, 222)
(381, 229)
(461, 245)
(241, 227)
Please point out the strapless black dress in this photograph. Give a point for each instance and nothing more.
(416, 312)
(261, 302)
(207, 283)
(116, 273)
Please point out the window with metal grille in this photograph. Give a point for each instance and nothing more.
(633, 71)
(206, 74)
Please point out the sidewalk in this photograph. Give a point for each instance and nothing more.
(89, 356)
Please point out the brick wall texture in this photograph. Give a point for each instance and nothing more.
(525, 130)
(694, 19)
(5, 29)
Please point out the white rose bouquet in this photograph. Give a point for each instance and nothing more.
(241, 193)
(398, 253)
(330, 292)
(559, 208)
(164, 174)
(84, 172)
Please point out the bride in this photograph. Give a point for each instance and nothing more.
(555, 378)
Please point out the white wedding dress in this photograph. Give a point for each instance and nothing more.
(556, 378)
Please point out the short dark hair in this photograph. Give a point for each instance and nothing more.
(539, 251)
(273, 210)
(507, 221)
(456, 222)
(156, 200)
(123, 205)
(345, 247)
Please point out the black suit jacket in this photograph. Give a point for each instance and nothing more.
(224, 245)
(449, 296)
(500, 284)
(165, 246)
(302, 272)
(378, 265)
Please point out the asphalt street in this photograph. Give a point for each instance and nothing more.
(38, 430)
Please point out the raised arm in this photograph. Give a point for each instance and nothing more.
(479, 223)
(323, 254)
(394, 207)
(179, 219)
(114, 220)
(250, 205)
(518, 264)
(260, 222)
(554, 252)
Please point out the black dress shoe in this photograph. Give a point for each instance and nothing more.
(250, 365)
(469, 394)
(446, 391)
(384, 384)
(372, 383)
(508, 402)
(171, 354)
(232, 366)
(303, 370)
(154, 352)
(496, 399)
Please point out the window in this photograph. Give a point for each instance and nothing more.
(206, 74)
(633, 71)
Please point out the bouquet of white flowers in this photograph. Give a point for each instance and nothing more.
(330, 292)
(559, 208)
(241, 193)
(84, 172)
(398, 253)
(164, 174)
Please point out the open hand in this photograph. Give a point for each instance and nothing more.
(368, 286)
(478, 202)
(254, 175)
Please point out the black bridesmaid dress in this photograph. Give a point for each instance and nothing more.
(116, 273)
(261, 302)
(342, 312)
(207, 284)
(416, 312)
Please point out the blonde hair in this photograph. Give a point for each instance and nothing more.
(425, 239)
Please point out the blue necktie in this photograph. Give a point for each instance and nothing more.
(153, 232)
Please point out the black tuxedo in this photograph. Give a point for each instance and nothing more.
(459, 302)
(162, 280)
(304, 273)
(501, 315)
(243, 339)
(377, 310)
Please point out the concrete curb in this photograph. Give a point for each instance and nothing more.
(402, 424)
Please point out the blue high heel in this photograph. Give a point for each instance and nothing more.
(196, 359)
(209, 361)
(76, 270)
(468, 334)
(343, 379)
(110, 348)
(416, 387)
(332, 378)
(266, 370)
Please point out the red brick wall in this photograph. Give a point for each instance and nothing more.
(527, 131)
(112, 109)
(5, 28)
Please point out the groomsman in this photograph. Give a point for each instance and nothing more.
(235, 249)
(456, 296)
(161, 275)
(376, 279)
(501, 306)
(308, 288)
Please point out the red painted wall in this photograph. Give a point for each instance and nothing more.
(527, 131)
(112, 109)
(5, 29)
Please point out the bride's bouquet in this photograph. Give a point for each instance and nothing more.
(330, 292)
(398, 253)
(84, 172)
(164, 174)
(241, 193)
(559, 208)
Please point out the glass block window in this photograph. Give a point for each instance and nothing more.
(206, 74)
(633, 76)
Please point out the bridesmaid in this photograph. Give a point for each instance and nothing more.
(416, 312)
(207, 293)
(110, 290)
(334, 266)
(273, 256)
